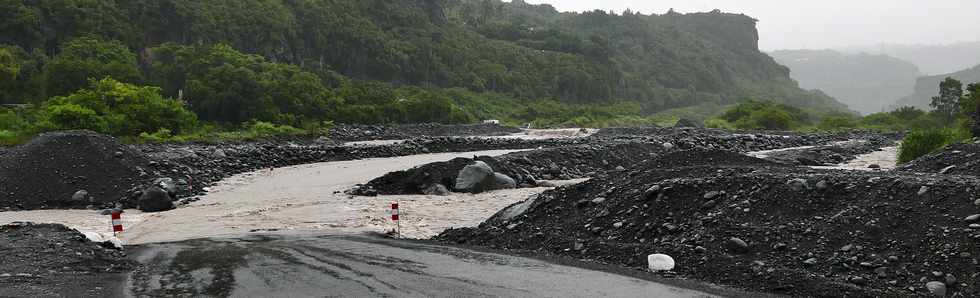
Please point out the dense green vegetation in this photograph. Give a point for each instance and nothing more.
(921, 142)
(957, 112)
(306, 63)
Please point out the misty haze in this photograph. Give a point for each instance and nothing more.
(489, 148)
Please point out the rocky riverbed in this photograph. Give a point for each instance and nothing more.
(85, 170)
(695, 194)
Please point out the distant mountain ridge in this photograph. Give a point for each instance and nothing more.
(865, 82)
(931, 59)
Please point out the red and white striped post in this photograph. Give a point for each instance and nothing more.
(394, 217)
(116, 222)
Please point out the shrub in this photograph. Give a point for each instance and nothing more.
(718, 123)
(8, 137)
(768, 118)
(837, 123)
(918, 143)
(70, 116)
(262, 129)
(117, 108)
(162, 135)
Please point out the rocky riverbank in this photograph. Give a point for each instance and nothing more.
(759, 225)
(54, 261)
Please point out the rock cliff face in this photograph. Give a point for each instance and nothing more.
(736, 31)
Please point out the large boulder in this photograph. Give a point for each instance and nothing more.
(501, 181)
(475, 178)
(167, 184)
(155, 199)
(436, 190)
(80, 196)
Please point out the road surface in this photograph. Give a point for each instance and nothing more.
(309, 265)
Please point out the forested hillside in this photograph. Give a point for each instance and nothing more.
(375, 61)
(925, 87)
(867, 83)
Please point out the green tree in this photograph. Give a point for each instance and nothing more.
(9, 67)
(22, 75)
(972, 99)
(70, 116)
(87, 58)
(947, 103)
(117, 108)
(224, 85)
(908, 113)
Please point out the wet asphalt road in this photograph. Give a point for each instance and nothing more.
(363, 266)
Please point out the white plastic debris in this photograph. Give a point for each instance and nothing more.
(115, 242)
(94, 237)
(660, 262)
(99, 238)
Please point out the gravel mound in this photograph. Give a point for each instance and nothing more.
(53, 260)
(758, 226)
(54, 167)
(957, 159)
(353, 133)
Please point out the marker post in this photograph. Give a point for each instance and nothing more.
(116, 222)
(394, 217)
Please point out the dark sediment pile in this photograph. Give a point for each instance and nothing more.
(52, 168)
(351, 133)
(800, 232)
(52, 260)
(582, 161)
(958, 159)
(416, 180)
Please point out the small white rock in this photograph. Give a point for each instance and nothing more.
(660, 262)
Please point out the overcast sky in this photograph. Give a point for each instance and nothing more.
(819, 24)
